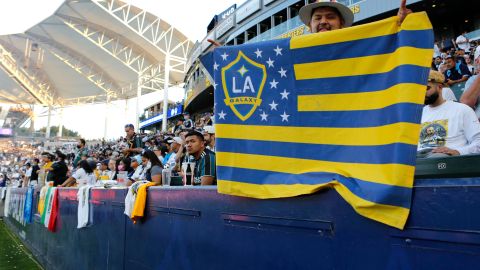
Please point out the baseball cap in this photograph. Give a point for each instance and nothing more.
(137, 158)
(176, 140)
(209, 129)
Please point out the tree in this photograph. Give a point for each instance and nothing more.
(66, 132)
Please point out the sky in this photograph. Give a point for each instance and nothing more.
(191, 17)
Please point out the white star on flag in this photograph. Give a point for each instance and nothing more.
(273, 84)
(264, 116)
(284, 116)
(285, 94)
(214, 85)
(221, 115)
(224, 56)
(258, 53)
(270, 62)
(283, 72)
(273, 105)
(215, 66)
(278, 50)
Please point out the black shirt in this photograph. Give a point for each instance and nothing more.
(58, 174)
(34, 175)
(457, 72)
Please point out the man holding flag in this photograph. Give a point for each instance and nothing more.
(340, 109)
(328, 15)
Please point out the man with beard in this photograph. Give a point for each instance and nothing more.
(82, 152)
(454, 126)
(328, 15)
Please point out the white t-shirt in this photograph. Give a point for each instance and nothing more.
(171, 159)
(448, 94)
(467, 86)
(462, 43)
(451, 124)
(83, 178)
(28, 173)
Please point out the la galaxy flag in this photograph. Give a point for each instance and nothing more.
(339, 109)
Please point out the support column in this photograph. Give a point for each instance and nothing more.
(47, 131)
(60, 124)
(105, 126)
(165, 92)
(139, 94)
(33, 119)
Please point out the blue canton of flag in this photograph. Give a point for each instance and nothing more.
(339, 109)
(257, 86)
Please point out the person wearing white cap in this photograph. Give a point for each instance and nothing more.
(471, 95)
(175, 144)
(209, 136)
(327, 15)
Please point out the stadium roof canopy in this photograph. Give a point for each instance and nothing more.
(91, 51)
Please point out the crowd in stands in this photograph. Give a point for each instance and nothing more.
(449, 128)
(452, 128)
(186, 151)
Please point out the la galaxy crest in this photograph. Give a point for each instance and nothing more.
(243, 81)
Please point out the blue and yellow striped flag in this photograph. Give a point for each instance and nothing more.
(339, 109)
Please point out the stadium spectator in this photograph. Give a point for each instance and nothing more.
(134, 142)
(82, 152)
(58, 171)
(124, 165)
(153, 167)
(138, 174)
(448, 128)
(209, 135)
(83, 176)
(455, 73)
(28, 174)
(447, 44)
(112, 167)
(436, 62)
(471, 95)
(104, 172)
(463, 42)
(323, 16)
(187, 123)
(175, 145)
(205, 171)
(469, 62)
(35, 171)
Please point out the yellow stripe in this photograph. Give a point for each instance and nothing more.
(400, 93)
(265, 191)
(388, 214)
(391, 215)
(374, 64)
(367, 136)
(415, 21)
(389, 174)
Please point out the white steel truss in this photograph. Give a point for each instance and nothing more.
(35, 72)
(112, 43)
(80, 64)
(14, 69)
(139, 62)
(150, 28)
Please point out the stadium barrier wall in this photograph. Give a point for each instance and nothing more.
(197, 228)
